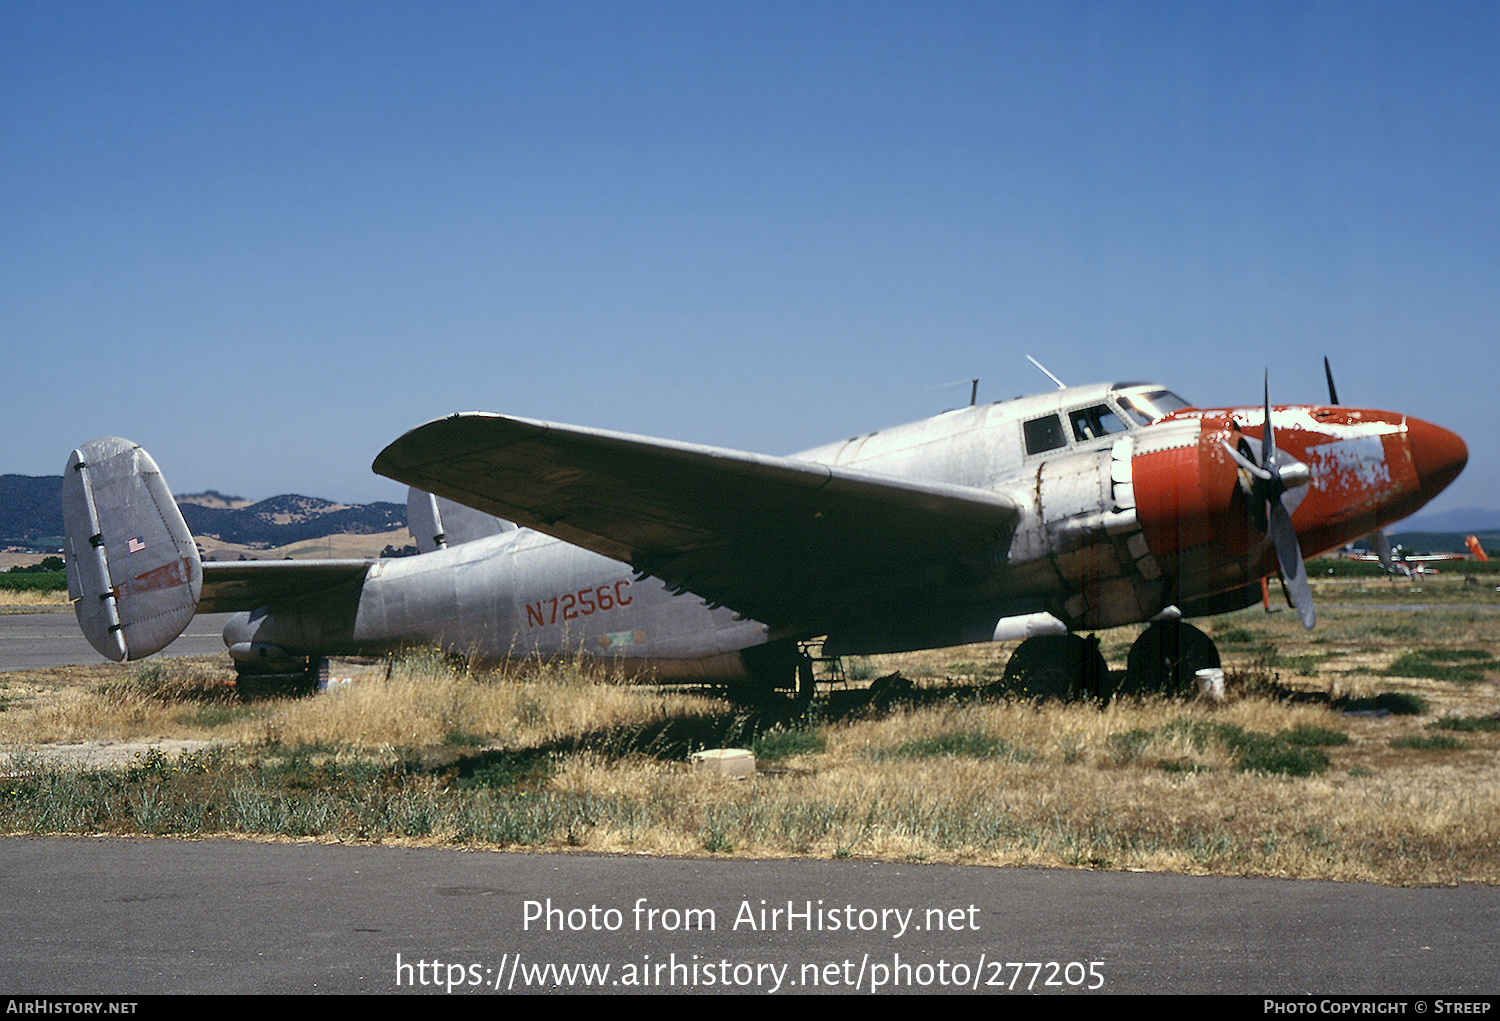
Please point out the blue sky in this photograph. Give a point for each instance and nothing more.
(264, 239)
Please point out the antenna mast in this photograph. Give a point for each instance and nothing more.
(1060, 384)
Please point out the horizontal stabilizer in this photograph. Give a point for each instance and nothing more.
(133, 571)
(234, 585)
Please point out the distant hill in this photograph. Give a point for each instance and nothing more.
(1445, 542)
(1468, 520)
(30, 509)
(31, 512)
(282, 520)
(1445, 532)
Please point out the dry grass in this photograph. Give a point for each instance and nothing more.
(552, 756)
(1065, 790)
(427, 700)
(26, 599)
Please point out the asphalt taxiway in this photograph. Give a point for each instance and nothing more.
(119, 917)
(39, 640)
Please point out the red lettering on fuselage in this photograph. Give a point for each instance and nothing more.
(572, 605)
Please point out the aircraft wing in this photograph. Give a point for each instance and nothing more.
(794, 544)
(250, 584)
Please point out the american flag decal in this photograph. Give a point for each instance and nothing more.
(136, 545)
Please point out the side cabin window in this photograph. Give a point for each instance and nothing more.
(1094, 423)
(1045, 433)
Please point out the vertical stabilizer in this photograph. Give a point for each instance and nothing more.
(437, 522)
(133, 571)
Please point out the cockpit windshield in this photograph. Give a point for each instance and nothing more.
(1147, 405)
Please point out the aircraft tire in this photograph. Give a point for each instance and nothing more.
(1062, 667)
(1165, 659)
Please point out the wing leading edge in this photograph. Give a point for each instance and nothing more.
(795, 544)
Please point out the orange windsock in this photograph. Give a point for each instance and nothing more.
(1473, 543)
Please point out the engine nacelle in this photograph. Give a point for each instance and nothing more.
(1353, 470)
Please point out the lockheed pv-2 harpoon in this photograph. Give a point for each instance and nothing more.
(1042, 517)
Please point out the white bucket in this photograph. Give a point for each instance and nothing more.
(1211, 683)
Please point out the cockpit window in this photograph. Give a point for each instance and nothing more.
(1044, 433)
(1092, 423)
(1146, 406)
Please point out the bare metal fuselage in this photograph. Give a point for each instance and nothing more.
(515, 595)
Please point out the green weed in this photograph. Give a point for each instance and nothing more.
(1288, 753)
(1309, 736)
(971, 744)
(1429, 743)
(1466, 666)
(1467, 724)
(1397, 703)
(780, 743)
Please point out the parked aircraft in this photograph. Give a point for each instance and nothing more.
(1397, 562)
(1042, 517)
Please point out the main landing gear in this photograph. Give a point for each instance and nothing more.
(781, 676)
(1164, 660)
(1062, 667)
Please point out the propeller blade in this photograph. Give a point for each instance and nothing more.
(1333, 394)
(1293, 570)
(1268, 438)
(1279, 520)
(1245, 463)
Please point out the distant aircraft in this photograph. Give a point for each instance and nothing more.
(1416, 563)
(1042, 517)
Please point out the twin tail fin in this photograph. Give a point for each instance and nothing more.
(134, 574)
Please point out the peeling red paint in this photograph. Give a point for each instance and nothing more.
(166, 576)
(1368, 469)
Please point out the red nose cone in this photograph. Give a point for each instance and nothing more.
(1436, 454)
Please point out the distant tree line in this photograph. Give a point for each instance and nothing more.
(48, 565)
(48, 576)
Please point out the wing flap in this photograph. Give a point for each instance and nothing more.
(786, 542)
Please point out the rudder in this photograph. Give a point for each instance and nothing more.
(134, 574)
